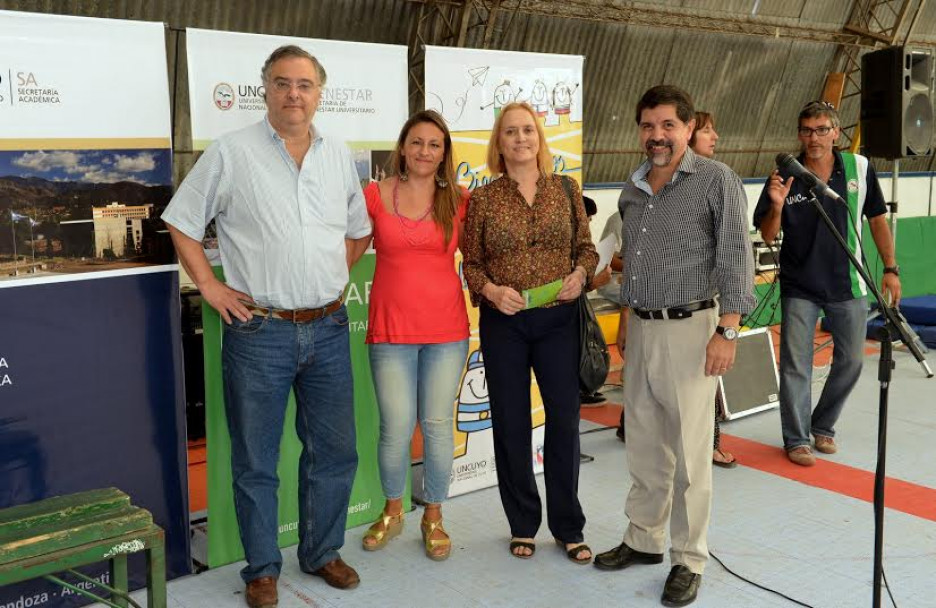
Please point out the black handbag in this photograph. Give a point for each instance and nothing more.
(594, 359)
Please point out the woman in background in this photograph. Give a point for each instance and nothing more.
(702, 142)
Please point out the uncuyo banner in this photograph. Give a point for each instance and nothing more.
(469, 87)
(90, 344)
(364, 102)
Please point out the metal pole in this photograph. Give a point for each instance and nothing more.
(32, 242)
(13, 232)
(893, 205)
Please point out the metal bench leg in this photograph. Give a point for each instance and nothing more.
(156, 575)
(118, 577)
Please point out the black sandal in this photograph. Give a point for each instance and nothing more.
(522, 544)
(572, 553)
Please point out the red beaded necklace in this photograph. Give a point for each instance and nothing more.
(406, 230)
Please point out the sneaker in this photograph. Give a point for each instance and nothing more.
(826, 445)
(802, 456)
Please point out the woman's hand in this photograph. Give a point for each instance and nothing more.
(505, 299)
(572, 284)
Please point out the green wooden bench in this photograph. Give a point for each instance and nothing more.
(58, 534)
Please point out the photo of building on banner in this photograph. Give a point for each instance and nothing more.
(468, 87)
(365, 109)
(81, 187)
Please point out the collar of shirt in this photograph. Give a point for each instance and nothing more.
(686, 165)
(280, 143)
(838, 165)
(511, 182)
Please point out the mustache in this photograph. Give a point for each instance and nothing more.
(652, 143)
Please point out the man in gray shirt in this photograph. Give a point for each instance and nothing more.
(291, 222)
(685, 241)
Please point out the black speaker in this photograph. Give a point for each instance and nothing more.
(752, 385)
(897, 102)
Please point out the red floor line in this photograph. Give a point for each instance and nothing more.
(899, 495)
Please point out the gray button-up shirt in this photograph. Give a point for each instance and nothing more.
(281, 229)
(689, 241)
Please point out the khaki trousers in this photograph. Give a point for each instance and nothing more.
(669, 425)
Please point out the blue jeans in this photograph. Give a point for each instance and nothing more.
(262, 359)
(412, 379)
(847, 321)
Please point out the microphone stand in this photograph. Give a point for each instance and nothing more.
(893, 327)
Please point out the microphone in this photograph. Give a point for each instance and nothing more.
(788, 163)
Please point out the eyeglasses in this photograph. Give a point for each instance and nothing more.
(820, 131)
(303, 86)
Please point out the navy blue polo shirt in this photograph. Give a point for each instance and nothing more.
(812, 264)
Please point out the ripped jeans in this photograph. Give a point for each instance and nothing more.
(411, 380)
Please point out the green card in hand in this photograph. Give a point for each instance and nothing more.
(544, 294)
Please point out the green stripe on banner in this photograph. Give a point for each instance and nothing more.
(366, 504)
(851, 179)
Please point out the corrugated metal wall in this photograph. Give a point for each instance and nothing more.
(755, 86)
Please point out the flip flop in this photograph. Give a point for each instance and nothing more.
(517, 544)
(725, 465)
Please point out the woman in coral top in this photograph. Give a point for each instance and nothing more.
(418, 323)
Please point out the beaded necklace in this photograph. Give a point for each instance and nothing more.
(406, 230)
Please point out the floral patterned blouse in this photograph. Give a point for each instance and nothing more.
(509, 242)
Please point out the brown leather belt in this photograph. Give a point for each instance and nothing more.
(676, 312)
(302, 315)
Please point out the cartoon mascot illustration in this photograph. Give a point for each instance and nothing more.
(473, 412)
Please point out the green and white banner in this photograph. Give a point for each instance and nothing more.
(366, 108)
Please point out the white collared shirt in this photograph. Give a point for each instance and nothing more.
(281, 229)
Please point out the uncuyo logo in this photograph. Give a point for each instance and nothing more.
(223, 96)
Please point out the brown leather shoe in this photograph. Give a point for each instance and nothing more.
(802, 455)
(338, 574)
(261, 592)
(826, 445)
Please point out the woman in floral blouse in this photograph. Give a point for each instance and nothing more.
(519, 235)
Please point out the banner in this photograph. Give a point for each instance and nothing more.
(366, 108)
(90, 345)
(469, 87)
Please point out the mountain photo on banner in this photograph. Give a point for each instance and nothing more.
(76, 211)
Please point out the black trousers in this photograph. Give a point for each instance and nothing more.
(546, 341)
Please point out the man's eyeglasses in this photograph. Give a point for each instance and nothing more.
(820, 131)
(285, 86)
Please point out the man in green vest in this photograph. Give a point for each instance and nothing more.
(817, 276)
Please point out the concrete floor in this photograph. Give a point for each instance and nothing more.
(807, 533)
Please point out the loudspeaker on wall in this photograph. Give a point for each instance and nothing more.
(897, 102)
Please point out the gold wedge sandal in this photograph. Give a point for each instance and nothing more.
(428, 527)
(392, 526)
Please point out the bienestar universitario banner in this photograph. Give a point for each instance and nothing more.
(91, 389)
(364, 102)
(469, 87)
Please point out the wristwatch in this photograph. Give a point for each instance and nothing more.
(728, 333)
(894, 270)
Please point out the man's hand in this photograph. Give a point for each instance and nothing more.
(505, 299)
(890, 288)
(719, 355)
(622, 331)
(228, 302)
(572, 285)
(601, 279)
(777, 189)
